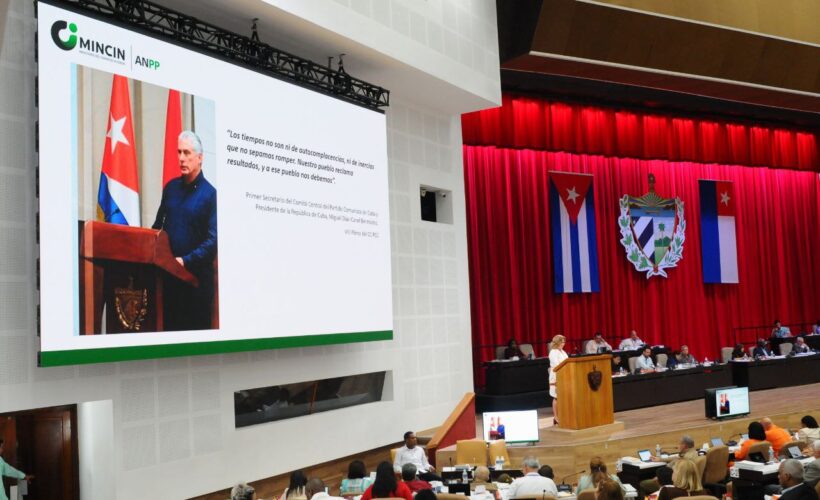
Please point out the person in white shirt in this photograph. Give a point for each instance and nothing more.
(532, 483)
(597, 344)
(632, 343)
(810, 430)
(644, 362)
(412, 453)
(557, 356)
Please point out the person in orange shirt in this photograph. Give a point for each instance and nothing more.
(777, 436)
(756, 435)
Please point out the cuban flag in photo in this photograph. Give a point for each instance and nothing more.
(574, 241)
(118, 196)
(718, 236)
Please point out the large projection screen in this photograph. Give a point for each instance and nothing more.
(188, 205)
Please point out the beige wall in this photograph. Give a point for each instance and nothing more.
(148, 108)
(793, 19)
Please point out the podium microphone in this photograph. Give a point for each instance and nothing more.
(564, 486)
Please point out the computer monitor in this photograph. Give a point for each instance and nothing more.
(732, 402)
(512, 426)
(645, 455)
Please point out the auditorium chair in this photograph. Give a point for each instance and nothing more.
(817, 488)
(588, 494)
(632, 363)
(700, 465)
(714, 471)
(499, 352)
(784, 451)
(661, 360)
(471, 452)
(761, 447)
(499, 448)
(726, 354)
(527, 349)
(393, 452)
(786, 348)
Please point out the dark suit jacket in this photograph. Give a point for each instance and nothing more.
(760, 352)
(802, 492)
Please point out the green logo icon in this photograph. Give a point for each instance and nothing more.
(59, 26)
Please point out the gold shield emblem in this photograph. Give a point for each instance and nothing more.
(131, 306)
(595, 377)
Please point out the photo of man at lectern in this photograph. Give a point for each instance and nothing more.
(187, 213)
(147, 209)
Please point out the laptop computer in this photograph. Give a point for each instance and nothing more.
(645, 455)
(757, 457)
(717, 442)
(795, 452)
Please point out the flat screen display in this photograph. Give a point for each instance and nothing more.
(188, 205)
(732, 401)
(512, 426)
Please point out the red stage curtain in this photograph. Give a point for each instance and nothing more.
(511, 277)
(534, 123)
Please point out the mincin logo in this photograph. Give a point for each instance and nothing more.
(59, 26)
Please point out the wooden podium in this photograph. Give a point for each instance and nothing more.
(585, 392)
(122, 270)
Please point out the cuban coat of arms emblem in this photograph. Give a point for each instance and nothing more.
(652, 231)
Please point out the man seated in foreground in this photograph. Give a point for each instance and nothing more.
(315, 489)
(408, 475)
(532, 484)
(811, 473)
(790, 477)
(481, 477)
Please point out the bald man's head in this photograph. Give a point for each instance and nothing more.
(766, 422)
(313, 486)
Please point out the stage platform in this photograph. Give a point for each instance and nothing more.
(568, 452)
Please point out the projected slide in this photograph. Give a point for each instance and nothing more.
(191, 206)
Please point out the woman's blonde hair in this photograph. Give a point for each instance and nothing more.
(685, 476)
(556, 341)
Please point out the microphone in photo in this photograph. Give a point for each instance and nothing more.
(564, 486)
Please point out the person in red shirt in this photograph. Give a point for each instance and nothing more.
(386, 485)
(777, 436)
(408, 475)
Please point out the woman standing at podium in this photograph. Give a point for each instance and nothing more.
(557, 355)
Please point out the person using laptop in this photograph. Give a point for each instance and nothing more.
(597, 345)
(686, 451)
(756, 435)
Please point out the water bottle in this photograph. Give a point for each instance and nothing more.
(464, 478)
(497, 462)
(771, 455)
(657, 450)
(503, 461)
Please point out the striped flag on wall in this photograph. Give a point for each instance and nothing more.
(574, 244)
(718, 237)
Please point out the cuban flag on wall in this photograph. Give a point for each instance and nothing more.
(718, 238)
(574, 241)
(118, 196)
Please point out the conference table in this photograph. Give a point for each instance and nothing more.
(516, 377)
(671, 386)
(749, 478)
(781, 371)
(812, 341)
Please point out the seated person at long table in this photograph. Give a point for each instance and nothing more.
(685, 357)
(779, 331)
(513, 351)
(686, 451)
(800, 346)
(756, 435)
(597, 345)
(644, 363)
(761, 351)
(739, 352)
(632, 343)
(598, 473)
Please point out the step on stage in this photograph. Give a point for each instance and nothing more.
(569, 451)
